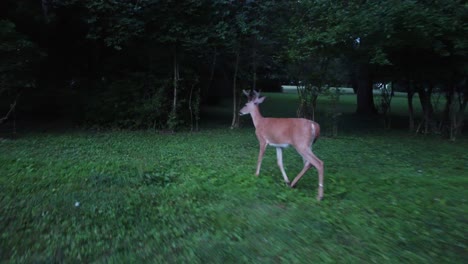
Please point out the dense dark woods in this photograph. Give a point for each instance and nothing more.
(155, 64)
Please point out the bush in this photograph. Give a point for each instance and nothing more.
(133, 103)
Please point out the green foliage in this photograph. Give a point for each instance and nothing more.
(321, 43)
(18, 55)
(19, 58)
(129, 103)
(114, 22)
(378, 41)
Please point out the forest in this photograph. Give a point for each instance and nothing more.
(142, 64)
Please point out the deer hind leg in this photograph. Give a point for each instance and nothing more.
(279, 157)
(263, 146)
(312, 160)
(307, 166)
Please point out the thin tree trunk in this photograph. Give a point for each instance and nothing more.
(458, 116)
(235, 114)
(446, 118)
(194, 106)
(388, 105)
(425, 100)
(254, 66)
(314, 105)
(197, 111)
(45, 9)
(10, 111)
(175, 83)
(190, 108)
(429, 107)
(354, 81)
(410, 94)
(172, 121)
(212, 70)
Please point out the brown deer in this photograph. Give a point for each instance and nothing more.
(301, 133)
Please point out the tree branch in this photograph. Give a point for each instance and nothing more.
(12, 108)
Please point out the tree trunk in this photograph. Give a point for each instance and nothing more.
(365, 96)
(445, 123)
(235, 112)
(212, 70)
(175, 83)
(426, 103)
(458, 115)
(10, 111)
(45, 9)
(410, 94)
(172, 120)
(354, 82)
(254, 69)
(191, 108)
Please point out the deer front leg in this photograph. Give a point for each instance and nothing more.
(263, 146)
(279, 157)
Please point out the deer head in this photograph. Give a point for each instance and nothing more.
(252, 102)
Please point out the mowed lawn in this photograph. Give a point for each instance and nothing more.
(145, 197)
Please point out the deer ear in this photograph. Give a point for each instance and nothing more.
(246, 93)
(260, 100)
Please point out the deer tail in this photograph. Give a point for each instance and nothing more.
(315, 131)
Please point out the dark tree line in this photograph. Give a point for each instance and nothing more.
(154, 63)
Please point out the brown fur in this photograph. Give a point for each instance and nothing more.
(298, 132)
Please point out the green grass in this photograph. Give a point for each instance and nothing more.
(143, 197)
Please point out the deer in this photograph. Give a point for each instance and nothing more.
(280, 133)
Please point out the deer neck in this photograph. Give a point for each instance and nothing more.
(257, 117)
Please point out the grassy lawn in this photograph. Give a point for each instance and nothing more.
(144, 197)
